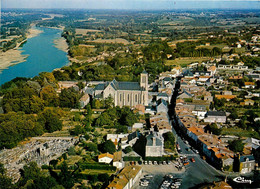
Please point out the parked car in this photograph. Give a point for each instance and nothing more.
(192, 160)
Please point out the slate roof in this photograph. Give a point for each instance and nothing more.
(162, 95)
(243, 158)
(161, 101)
(120, 85)
(167, 79)
(216, 113)
(200, 108)
(149, 139)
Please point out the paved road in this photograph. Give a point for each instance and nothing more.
(199, 171)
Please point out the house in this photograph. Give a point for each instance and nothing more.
(195, 132)
(126, 178)
(212, 70)
(255, 77)
(118, 160)
(200, 111)
(84, 100)
(125, 93)
(163, 96)
(208, 97)
(249, 85)
(232, 67)
(252, 143)
(215, 117)
(67, 84)
(247, 102)
(235, 77)
(105, 158)
(227, 97)
(185, 95)
(154, 145)
(247, 164)
(137, 126)
(162, 106)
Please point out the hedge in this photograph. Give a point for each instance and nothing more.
(126, 158)
(97, 166)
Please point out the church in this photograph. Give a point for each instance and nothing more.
(125, 93)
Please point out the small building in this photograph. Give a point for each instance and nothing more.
(227, 97)
(126, 178)
(105, 158)
(215, 117)
(247, 164)
(212, 70)
(249, 85)
(247, 102)
(185, 95)
(138, 126)
(84, 100)
(118, 160)
(154, 145)
(162, 96)
(162, 106)
(200, 111)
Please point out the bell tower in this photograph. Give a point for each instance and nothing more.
(144, 80)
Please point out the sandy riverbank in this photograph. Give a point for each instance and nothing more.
(33, 32)
(14, 56)
(61, 44)
(11, 57)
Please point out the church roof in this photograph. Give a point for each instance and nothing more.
(120, 85)
(149, 139)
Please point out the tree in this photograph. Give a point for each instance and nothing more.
(49, 95)
(29, 172)
(213, 128)
(169, 140)
(108, 146)
(233, 115)
(128, 149)
(65, 178)
(69, 98)
(91, 147)
(77, 130)
(236, 145)
(5, 181)
(51, 120)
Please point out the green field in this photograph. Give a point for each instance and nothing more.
(239, 132)
(183, 62)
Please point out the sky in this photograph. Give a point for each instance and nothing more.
(132, 4)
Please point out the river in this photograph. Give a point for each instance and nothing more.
(43, 56)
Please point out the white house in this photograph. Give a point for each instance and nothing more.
(215, 117)
(105, 158)
(118, 160)
(200, 111)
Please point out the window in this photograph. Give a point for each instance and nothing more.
(144, 79)
(136, 98)
(120, 97)
(128, 97)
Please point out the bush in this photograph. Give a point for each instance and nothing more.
(45, 167)
(126, 158)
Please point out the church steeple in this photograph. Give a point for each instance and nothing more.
(144, 80)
